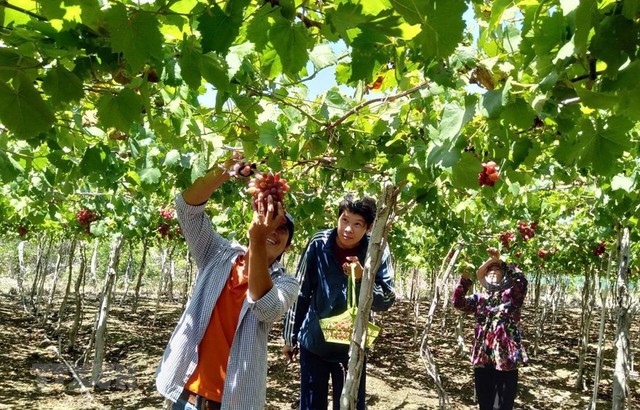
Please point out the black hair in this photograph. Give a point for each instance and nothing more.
(365, 207)
(288, 221)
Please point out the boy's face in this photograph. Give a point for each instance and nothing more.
(277, 242)
(351, 228)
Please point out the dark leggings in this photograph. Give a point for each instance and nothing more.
(495, 389)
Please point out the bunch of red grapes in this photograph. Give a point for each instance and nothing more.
(506, 238)
(600, 248)
(527, 231)
(489, 174)
(167, 214)
(22, 231)
(543, 253)
(267, 184)
(85, 217)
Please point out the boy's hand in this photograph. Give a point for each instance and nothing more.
(265, 221)
(353, 263)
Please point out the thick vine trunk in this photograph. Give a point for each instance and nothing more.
(621, 370)
(103, 312)
(56, 275)
(384, 217)
(163, 266)
(425, 351)
(22, 272)
(63, 305)
(127, 274)
(94, 263)
(585, 324)
(78, 297)
(143, 266)
(188, 271)
(604, 294)
(39, 279)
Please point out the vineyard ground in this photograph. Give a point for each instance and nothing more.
(34, 376)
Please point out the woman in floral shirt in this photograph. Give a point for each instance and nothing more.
(497, 346)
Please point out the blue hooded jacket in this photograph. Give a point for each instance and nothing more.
(323, 293)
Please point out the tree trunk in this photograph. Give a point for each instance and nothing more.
(78, 297)
(384, 217)
(63, 305)
(56, 275)
(585, 325)
(425, 351)
(103, 312)
(187, 278)
(40, 277)
(621, 370)
(127, 273)
(94, 263)
(22, 272)
(604, 294)
(143, 266)
(163, 267)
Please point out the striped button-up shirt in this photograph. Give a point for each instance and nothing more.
(245, 383)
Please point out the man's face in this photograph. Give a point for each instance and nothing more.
(494, 275)
(277, 242)
(351, 229)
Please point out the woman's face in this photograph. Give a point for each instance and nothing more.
(494, 275)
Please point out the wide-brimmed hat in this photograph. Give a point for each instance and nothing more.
(506, 276)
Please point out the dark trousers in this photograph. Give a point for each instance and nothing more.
(496, 390)
(314, 382)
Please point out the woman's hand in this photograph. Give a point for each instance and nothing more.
(494, 253)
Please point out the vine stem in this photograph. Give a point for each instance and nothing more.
(383, 100)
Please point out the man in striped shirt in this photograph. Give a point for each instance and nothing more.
(217, 355)
(323, 273)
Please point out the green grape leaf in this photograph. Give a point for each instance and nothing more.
(464, 174)
(622, 182)
(150, 176)
(345, 17)
(290, 42)
(414, 12)
(93, 160)
(137, 35)
(120, 111)
(22, 109)
(269, 134)
(322, 56)
(583, 21)
(218, 29)
(444, 28)
(190, 64)
(601, 146)
(214, 71)
(62, 85)
(9, 168)
(519, 114)
(520, 150)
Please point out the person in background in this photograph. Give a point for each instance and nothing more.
(323, 272)
(217, 355)
(497, 348)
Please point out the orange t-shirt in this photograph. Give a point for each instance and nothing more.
(213, 352)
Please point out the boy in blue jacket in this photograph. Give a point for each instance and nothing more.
(323, 273)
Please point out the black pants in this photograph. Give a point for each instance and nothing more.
(314, 382)
(496, 390)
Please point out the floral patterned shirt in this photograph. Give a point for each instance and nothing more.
(498, 337)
